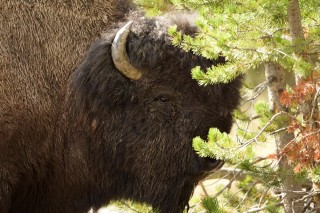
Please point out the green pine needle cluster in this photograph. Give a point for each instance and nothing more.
(211, 205)
(219, 146)
(314, 174)
(271, 121)
(132, 206)
(154, 7)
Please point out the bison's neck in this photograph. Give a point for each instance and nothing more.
(62, 183)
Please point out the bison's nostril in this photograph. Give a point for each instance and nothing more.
(212, 164)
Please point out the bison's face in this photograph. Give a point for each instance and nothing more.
(167, 110)
(151, 112)
(170, 107)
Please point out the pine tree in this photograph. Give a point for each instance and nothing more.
(283, 37)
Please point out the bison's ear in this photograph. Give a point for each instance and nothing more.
(120, 56)
(97, 84)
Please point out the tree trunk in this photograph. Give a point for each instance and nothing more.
(276, 84)
(297, 35)
(294, 20)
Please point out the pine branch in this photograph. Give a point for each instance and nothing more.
(262, 130)
(263, 208)
(258, 90)
(247, 193)
(228, 173)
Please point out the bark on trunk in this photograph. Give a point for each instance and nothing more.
(276, 84)
(297, 35)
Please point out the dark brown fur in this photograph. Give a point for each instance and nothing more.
(68, 145)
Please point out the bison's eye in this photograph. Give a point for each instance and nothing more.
(162, 98)
(163, 94)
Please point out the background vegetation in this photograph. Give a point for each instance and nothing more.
(282, 39)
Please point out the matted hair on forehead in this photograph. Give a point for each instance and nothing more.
(159, 25)
(184, 21)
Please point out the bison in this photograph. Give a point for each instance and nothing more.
(79, 131)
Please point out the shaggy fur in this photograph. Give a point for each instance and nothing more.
(68, 145)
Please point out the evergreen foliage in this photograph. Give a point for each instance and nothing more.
(211, 205)
(219, 146)
(249, 34)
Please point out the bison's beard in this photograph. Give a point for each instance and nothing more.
(167, 195)
(146, 161)
(175, 196)
(162, 170)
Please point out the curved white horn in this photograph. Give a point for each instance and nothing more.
(120, 56)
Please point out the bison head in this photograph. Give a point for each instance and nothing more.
(135, 110)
